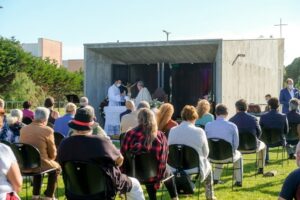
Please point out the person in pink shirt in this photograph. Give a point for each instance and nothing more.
(27, 113)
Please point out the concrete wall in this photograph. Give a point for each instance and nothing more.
(51, 49)
(218, 75)
(97, 77)
(32, 48)
(251, 77)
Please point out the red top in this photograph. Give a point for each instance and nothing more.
(171, 123)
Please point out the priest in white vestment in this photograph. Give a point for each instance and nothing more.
(143, 95)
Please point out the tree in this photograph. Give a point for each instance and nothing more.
(23, 88)
(51, 79)
(293, 71)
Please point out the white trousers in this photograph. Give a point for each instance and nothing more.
(136, 192)
(237, 164)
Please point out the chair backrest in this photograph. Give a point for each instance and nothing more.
(141, 166)
(183, 157)
(247, 141)
(28, 156)
(219, 149)
(26, 120)
(293, 133)
(200, 126)
(5, 142)
(85, 180)
(58, 137)
(272, 136)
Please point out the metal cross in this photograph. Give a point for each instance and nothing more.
(280, 26)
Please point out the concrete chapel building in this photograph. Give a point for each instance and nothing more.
(226, 70)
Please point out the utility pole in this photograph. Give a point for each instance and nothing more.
(280, 26)
(167, 34)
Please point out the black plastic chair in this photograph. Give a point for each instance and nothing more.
(200, 126)
(5, 142)
(182, 157)
(248, 144)
(26, 120)
(292, 138)
(58, 137)
(274, 137)
(142, 166)
(85, 180)
(28, 158)
(220, 150)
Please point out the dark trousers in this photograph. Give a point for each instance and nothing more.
(51, 185)
(170, 185)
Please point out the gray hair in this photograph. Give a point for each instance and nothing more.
(90, 109)
(143, 104)
(294, 104)
(84, 101)
(17, 113)
(41, 114)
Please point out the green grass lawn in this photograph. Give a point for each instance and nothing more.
(254, 187)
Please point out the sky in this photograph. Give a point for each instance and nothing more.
(76, 22)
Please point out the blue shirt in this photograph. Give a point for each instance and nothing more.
(61, 124)
(223, 129)
(204, 119)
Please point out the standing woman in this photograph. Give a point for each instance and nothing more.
(203, 108)
(146, 138)
(49, 103)
(164, 118)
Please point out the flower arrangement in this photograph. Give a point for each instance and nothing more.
(155, 103)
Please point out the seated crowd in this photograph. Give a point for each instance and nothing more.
(144, 131)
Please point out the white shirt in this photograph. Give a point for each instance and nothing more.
(291, 92)
(7, 158)
(188, 134)
(114, 96)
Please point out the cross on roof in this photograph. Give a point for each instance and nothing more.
(280, 26)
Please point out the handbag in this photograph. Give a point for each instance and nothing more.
(184, 184)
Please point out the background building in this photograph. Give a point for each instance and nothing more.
(45, 48)
(74, 64)
(227, 70)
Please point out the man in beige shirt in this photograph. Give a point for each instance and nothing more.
(129, 121)
(39, 135)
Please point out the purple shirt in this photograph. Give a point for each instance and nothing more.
(28, 113)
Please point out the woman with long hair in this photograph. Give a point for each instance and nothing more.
(164, 118)
(147, 138)
(203, 108)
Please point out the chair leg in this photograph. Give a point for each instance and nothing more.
(26, 187)
(199, 187)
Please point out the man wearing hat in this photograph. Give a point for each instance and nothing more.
(96, 149)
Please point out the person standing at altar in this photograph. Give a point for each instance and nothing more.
(143, 95)
(114, 95)
(286, 94)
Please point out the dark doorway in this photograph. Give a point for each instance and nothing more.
(190, 82)
(133, 73)
(184, 83)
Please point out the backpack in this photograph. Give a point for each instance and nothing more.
(184, 184)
